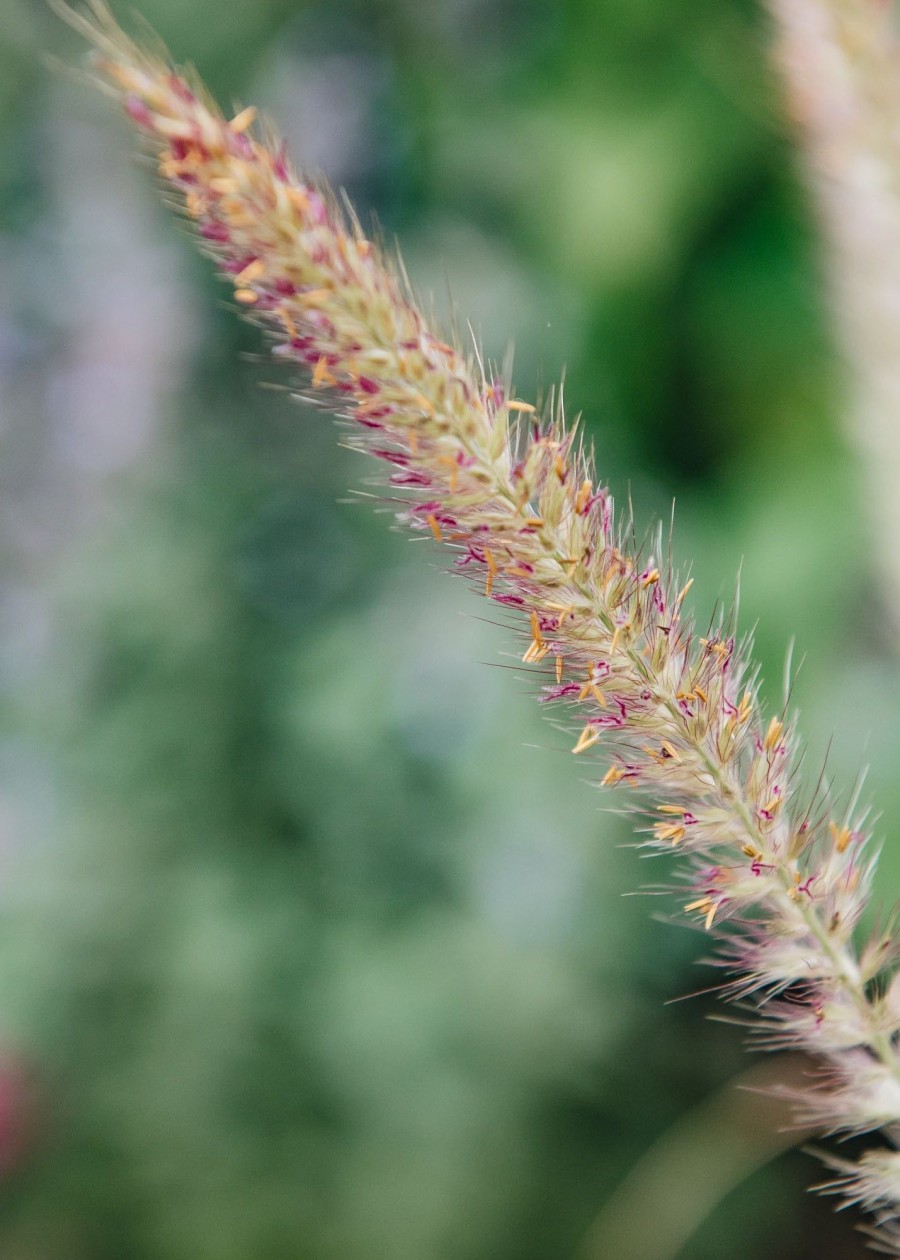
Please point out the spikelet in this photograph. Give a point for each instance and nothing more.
(514, 498)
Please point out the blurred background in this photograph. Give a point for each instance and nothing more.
(314, 941)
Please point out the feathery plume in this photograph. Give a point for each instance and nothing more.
(840, 69)
(513, 495)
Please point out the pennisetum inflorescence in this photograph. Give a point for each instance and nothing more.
(840, 68)
(512, 494)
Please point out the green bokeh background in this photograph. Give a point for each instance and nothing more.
(314, 941)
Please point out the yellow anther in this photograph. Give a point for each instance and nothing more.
(515, 405)
(582, 496)
(701, 695)
(492, 570)
(772, 806)
(298, 199)
(588, 736)
(750, 851)
(612, 776)
(620, 632)
(290, 326)
(236, 212)
(169, 168)
(251, 272)
(650, 579)
(841, 836)
(247, 296)
(773, 734)
(435, 527)
(673, 832)
(243, 120)
(707, 906)
(450, 462)
(172, 128)
(559, 669)
(538, 649)
(314, 297)
(745, 708)
(195, 205)
(559, 467)
(321, 374)
(670, 809)
(716, 647)
(425, 403)
(590, 688)
(669, 751)
(123, 76)
(681, 594)
(223, 184)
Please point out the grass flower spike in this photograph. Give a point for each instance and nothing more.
(839, 68)
(513, 496)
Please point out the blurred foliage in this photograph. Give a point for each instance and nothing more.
(314, 942)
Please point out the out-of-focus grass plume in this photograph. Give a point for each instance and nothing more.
(305, 951)
(841, 72)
